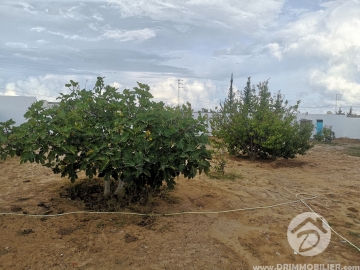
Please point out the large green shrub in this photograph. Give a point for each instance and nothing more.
(258, 124)
(126, 136)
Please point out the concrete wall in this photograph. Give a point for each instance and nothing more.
(48, 104)
(14, 107)
(342, 125)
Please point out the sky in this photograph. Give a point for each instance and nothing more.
(308, 49)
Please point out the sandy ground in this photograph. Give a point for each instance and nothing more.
(234, 240)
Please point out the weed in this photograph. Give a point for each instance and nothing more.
(166, 196)
(219, 156)
(65, 231)
(24, 232)
(147, 222)
(355, 234)
(353, 151)
(120, 223)
(130, 238)
(325, 135)
(166, 228)
(228, 176)
(100, 224)
(348, 224)
(3, 252)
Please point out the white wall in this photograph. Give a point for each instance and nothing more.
(14, 107)
(342, 125)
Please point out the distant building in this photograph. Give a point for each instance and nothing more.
(49, 104)
(344, 126)
(14, 107)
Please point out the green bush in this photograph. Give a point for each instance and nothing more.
(260, 125)
(125, 136)
(325, 135)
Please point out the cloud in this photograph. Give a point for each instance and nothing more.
(38, 29)
(182, 28)
(329, 36)
(10, 89)
(73, 37)
(30, 57)
(120, 35)
(18, 45)
(74, 14)
(227, 13)
(45, 87)
(115, 34)
(199, 94)
(42, 41)
(116, 85)
(93, 26)
(275, 50)
(308, 47)
(334, 82)
(28, 8)
(98, 17)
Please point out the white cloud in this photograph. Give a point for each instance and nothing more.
(42, 41)
(275, 50)
(73, 13)
(304, 47)
(199, 94)
(116, 85)
(326, 42)
(228, 13)
(93, 26)
(334, 82)
(45, 87)
(116, 34)
(9, 90)
(28, 8)
(73, 37)
(182, 28)
(121, 35)
(19, 45)
(30, 57)
(38, 29)
(98, 17)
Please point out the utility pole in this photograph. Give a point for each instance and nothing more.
(338, 97)
(179, 86)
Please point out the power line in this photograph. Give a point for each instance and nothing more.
(179, 86)
(338, 97)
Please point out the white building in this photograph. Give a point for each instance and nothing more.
(15, 107)
(50, 103)
(344, 126)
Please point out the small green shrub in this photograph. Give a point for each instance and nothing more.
(219, 156)
(325, 135)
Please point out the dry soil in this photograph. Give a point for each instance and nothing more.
(233, 240)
